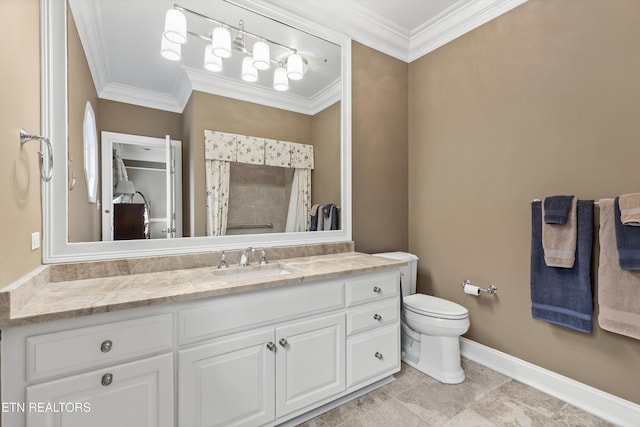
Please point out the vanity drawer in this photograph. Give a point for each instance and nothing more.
(79, 349)
(234, 313)
(372, 287)
(373, 353)
(372, 315)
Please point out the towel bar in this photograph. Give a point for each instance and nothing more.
(597, 203)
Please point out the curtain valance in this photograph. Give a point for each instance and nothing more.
(257, 151)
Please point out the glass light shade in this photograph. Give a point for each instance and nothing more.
(280, 80)
(170, 50)
(249, 72)
(221, 42)
(261, 59)
(212, 62)
(175, 26)
(295, 67)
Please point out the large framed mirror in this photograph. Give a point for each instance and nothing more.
(138, 93)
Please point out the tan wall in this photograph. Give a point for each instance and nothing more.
(541, 101)
(19, 169)
(325, 130)
(233, 116)
(380, 120)
(133, 119)
(84, 217)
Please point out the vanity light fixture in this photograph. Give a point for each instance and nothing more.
(211, 61)
(280, 80)
(261, 59)
(221, 46)
(170, 50)
(249, 72)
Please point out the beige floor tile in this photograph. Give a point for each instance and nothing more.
(468, 418)
(574, 417)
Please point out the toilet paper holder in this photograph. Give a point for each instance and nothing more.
(492, 289)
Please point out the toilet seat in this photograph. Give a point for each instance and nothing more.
(431, 306)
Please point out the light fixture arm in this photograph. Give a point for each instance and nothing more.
(224, 24)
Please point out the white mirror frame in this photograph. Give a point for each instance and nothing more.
(56, 247)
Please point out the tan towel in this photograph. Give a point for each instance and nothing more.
(618, 290)
(630, 209)
(559, 240)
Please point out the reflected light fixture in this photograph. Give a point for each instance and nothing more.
(220, 46)
(280, 80)
(170, 50)
(249, 72)
(221, 40)
(295, 67)
(175, 26)
(211, 61)
(261, 59)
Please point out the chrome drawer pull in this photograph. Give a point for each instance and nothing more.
(377, 317)
(377, 290)
(271, 346)
(107, 379)
(105, 347)
(378, 355)
(283, 342)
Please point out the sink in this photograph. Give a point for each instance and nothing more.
(252, 272)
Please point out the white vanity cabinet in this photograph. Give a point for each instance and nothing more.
(250, 379)
(373, 325)
(256, 358)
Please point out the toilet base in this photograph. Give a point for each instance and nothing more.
(438, 357)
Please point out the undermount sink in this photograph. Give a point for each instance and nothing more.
(252, 272)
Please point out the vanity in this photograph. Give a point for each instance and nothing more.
(252, 346)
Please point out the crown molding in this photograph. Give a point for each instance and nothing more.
(462, 17)
(202, 81)
(143, 98)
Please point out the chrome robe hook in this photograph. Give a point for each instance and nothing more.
(44, 174)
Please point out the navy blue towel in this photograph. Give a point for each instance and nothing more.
(556, 209)
(563, 295)
(628, 242)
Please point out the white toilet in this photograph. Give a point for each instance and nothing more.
(431, 327)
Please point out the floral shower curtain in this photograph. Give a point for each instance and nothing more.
(217, 182)
(300, 201)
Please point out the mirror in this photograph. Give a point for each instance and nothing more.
(202, 104)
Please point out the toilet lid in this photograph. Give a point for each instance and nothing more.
(435, 307)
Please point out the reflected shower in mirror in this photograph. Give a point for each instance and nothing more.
(115, 64)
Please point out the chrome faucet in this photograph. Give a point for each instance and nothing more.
(263, 256)
(223, 263)
(244, 259)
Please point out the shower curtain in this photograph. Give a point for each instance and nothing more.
(217, 182)
(300, 201)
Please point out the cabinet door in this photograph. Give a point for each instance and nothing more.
(310, 362)
(135, 394)
(228, 382)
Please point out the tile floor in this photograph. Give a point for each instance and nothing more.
(485, 399)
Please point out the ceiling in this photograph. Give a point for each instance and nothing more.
(121, 40)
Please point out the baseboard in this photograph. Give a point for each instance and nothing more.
(604, 405)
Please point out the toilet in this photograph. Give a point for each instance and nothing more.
(431, 327)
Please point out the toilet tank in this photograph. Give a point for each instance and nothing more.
(409, 272)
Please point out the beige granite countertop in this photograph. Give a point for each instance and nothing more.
(35, 298)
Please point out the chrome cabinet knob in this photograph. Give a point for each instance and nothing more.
(377, 289)
(283, 342)
(378, 355)
(105, 347)
(107, 379)
(271, 346)
(377, 317)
